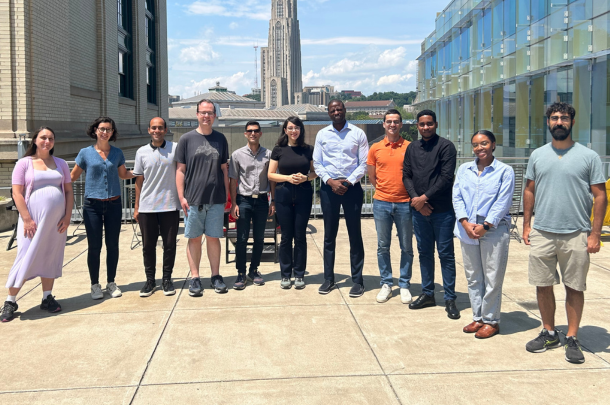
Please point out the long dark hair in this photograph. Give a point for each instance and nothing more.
(31, 151)
(93, 127)
(283, 139)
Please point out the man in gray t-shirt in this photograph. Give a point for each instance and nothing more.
(202, 180)
(563, 180)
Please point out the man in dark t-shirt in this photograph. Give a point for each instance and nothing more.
(202, 180)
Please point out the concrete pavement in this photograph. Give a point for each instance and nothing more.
(265, 345)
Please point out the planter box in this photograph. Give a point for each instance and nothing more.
(8, 218)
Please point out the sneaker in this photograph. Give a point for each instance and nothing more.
(384, 294)
(49, 304)
(96, 292)
(148, 289)
(256, 278)
(113, 290)
(326, 287)
(240, 282)
(218, 284)
(356, 291)
(573, 351)
(8, 311)
(286, 284)
(168, 287)
(405, 296)
(299, 283)
(543, 342)
(195, 288)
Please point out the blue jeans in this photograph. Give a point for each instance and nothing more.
(102, 218)
(436, 228)
(257, 211)
(386, 214)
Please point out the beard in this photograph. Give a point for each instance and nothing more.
(560, 133)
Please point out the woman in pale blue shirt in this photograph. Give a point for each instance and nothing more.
(104, 165)
(482, 196)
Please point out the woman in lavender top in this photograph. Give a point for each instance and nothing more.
(42, 192)
(102, 210)
(482, 196)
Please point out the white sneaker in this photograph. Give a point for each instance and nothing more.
(96, 292)
(405, 296)
(385, 293)
(113, 290)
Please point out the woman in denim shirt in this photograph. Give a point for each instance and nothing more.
(102, 210)
(482, 196)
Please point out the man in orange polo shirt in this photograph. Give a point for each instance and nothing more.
(391, 206)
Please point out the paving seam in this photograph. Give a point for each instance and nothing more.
(600, 266)
(159, 339)
(557, 370)
(69, 389)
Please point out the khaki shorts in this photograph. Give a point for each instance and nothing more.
(568, 250)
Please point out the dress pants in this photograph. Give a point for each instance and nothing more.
(151, 225)
(351, 202)
(257, 211)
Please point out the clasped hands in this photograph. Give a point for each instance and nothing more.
(296, 178)
(474, 231)
(421, 205)
(337, 186)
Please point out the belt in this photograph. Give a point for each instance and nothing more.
(107, 199)
(255, 195)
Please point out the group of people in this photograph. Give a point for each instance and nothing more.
(417, 190)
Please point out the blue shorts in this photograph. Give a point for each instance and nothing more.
(208, 221)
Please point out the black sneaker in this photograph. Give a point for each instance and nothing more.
(256, 277)
(543, 342)
(423, 301)
(240, 281)
(148, 289)
(168, 287)
(356, 291)
(451, 309)
(573, 351)
(8, 311)
(49, 304)
(326, 287)
(195, 288)
(218, 284)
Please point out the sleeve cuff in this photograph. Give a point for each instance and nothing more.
(325, 178)
(461, 214)
(493, 220)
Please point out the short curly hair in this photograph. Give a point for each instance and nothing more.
(93, 127)
(562, 108)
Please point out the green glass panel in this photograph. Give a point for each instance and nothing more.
(580, 40)
(537, 111)
(522, 60)
(601, 33)
(582, 102)
(522, 115)
(537, 56)
(498, 113)
(510, 66)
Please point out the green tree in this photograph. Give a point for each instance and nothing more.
(409, 133)
(256, 97)
(358, 115)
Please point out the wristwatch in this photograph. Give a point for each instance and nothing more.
(486, 227)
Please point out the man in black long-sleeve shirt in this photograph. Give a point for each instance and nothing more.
(428, 171)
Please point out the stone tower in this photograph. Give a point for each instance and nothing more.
(281, 58)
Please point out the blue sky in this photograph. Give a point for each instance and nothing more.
(351, 44)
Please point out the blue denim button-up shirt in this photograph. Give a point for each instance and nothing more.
(341, 154)
(102, 176)
(489, 195)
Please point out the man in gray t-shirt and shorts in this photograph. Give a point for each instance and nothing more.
(202, 180)
(563, 180)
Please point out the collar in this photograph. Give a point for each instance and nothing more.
(398, 143)
(332, 127)
(473, 165)
(162, 145)
(260, 149)
(434, 138)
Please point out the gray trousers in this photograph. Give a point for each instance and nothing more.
(485, 266)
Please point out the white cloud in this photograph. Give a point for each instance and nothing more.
(233, 82)
(252, 9)
(393, 79)
(392, 57)
(411, 66)
(233, 25)
(202, 52)
(361, 41)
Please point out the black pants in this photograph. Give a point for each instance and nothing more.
(257, 211)
(352, 207)
(102, 218)
(151, 225)
(293, 206)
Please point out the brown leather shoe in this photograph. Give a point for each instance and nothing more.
(487, 331)
(473, 327)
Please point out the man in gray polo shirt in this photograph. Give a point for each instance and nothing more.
(250, 189)
(157, 205)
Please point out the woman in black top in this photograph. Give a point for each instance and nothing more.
(291, 167)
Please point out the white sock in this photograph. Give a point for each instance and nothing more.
(45, 294)
(552, 332)
(11, 298)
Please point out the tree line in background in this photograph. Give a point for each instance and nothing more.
(399, 98)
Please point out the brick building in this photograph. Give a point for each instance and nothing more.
(66, 62)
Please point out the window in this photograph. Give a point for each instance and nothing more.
(273, 93)
(280, 9)
(125, 50)
(279, 48)
(151, 47)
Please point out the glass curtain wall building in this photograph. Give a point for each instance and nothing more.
(498, 65)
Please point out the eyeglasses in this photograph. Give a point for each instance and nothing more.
(483, 144)
(564, 118)
(395, 122)
(206, 113)
(253, 131)
(293, 129)
(105, 130)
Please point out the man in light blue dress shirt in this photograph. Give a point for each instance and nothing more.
(339, 158)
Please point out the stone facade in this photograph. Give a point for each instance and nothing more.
(59, 68)
(281, 59)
